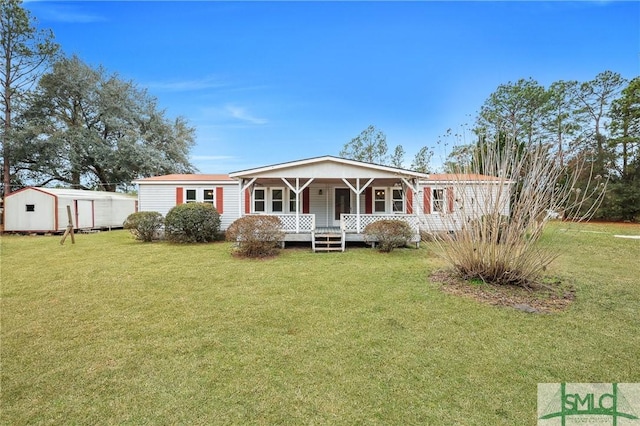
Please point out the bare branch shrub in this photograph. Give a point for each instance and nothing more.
(256, 235)
(497, 222)
(389, 234)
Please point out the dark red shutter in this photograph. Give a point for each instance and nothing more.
(179, 195)
(219, 199)
(427, 200)
(247, 201)
(305, 201)
(409, 202)
(368, 200)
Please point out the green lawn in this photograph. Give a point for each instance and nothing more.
(112, 331)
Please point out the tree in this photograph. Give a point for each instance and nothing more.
(560, 123)
(369, 146)
(26, 52)
(459, 158)
(397, 159)
(515, 111)
(422, 160)
(623, 199)
(99, 131)
(625, 127)
(594, 98)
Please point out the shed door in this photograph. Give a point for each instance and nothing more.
(84, 213)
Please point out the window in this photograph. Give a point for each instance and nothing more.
(208, 196)
(379, 202)
(190, 196)
(31, 207)
(258, 200)
(292, 201)
(277, 202)
(438, 200)
(398, 201)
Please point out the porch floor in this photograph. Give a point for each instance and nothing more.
(328, 230)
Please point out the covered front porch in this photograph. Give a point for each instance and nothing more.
(303, 228)
(329, 201)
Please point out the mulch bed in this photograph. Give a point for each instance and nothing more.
(547, 297)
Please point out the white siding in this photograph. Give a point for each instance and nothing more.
(162, 197)
(231, 200)
(111, 213)
(156, 198)
(472, 200)
(321, 204)
(42, 218)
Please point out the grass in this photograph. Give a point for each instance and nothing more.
(112, 331)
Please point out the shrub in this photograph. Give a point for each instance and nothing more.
(389, 234)
(257, 236)
(192, 223)
(529, 182)
(144, 226)
(491, 228)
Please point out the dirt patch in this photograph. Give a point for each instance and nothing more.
(549, 296)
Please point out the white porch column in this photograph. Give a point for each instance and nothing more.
(298, 191)
(242, 189)
(358, 190)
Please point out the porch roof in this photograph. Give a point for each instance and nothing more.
(327, 167)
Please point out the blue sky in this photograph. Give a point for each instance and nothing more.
(268, 82)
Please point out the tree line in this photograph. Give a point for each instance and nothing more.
(594, 123)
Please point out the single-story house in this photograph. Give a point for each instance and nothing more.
(327, 200)
(34, 209)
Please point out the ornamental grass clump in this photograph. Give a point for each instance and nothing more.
(388, 234)
(144, 226)
(499, 222)
(256, 236)
(192, 223)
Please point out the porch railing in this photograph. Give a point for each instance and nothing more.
(349, 222)
(295, 224)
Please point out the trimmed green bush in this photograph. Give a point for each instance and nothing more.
(192, 223)
(144, 226)
(256, 236)
(389, 234)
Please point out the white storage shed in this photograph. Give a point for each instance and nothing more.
(45, 209)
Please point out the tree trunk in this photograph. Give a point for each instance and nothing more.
(6, 150)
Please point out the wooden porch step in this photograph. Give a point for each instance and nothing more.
(327, 241)
(328, 249)
(329, 244)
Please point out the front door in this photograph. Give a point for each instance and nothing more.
(342, 203)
